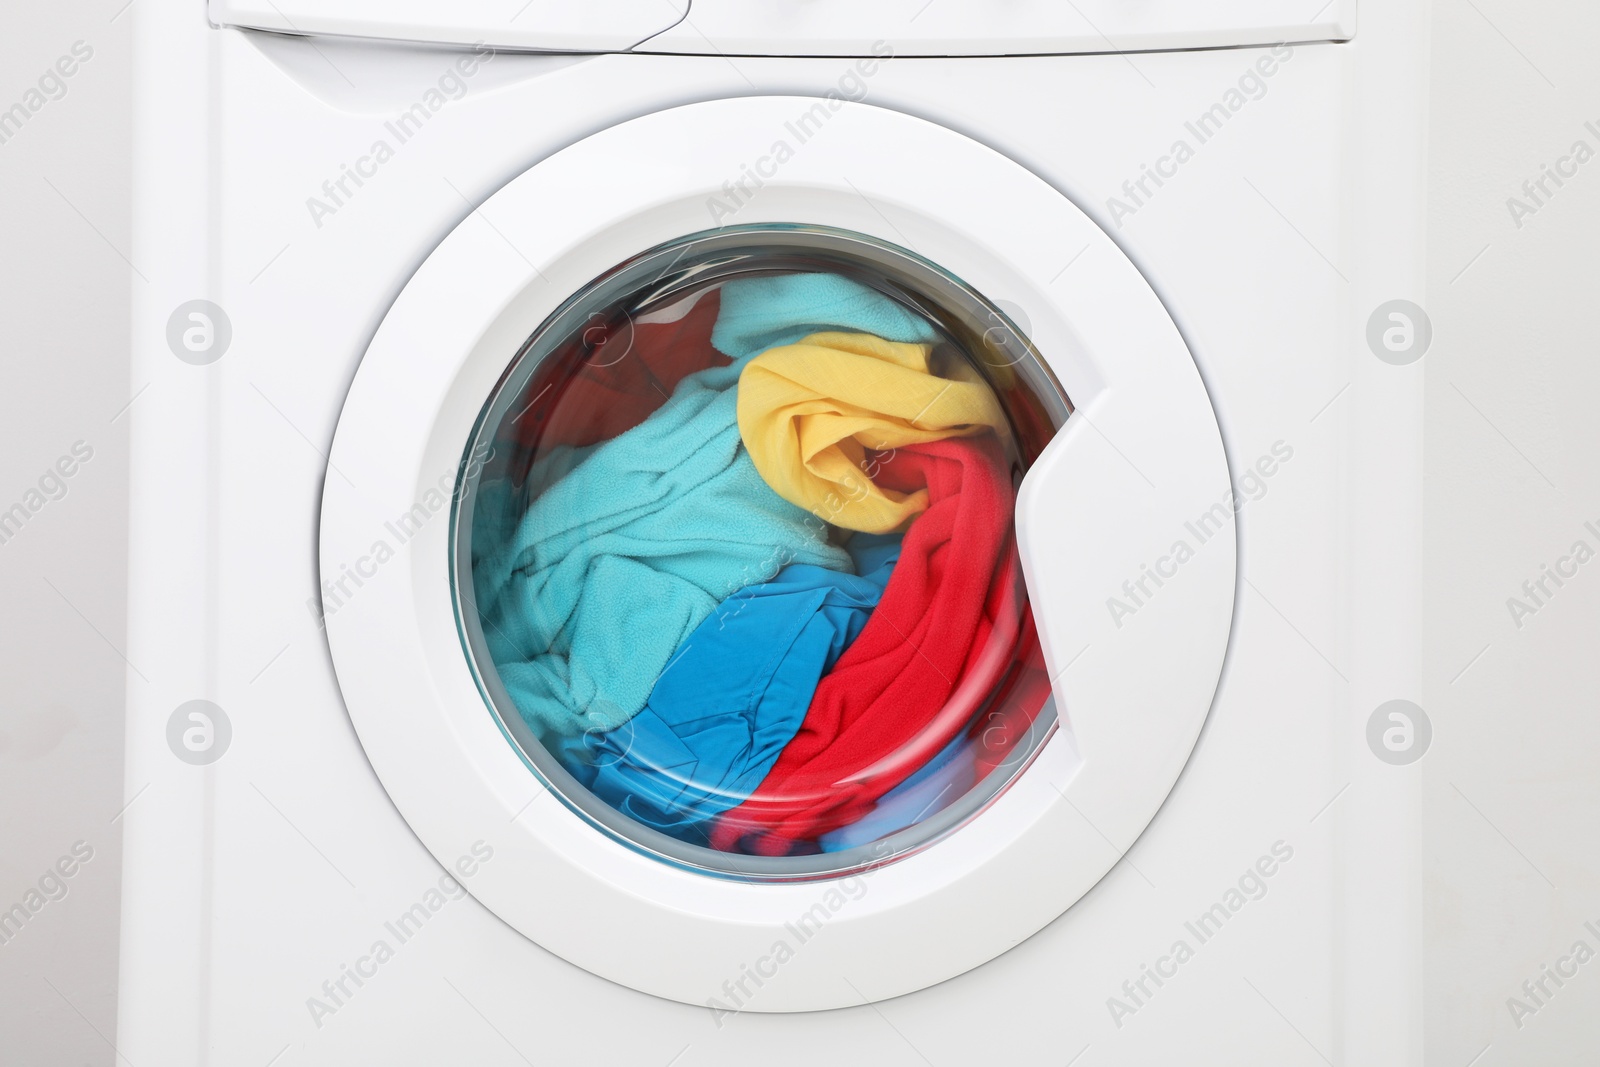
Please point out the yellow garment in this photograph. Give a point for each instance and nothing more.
(808, 413)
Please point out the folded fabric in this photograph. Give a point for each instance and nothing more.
(614, 374)
(922, 666)
(629, 544)
(765, 312)
(810, 412)
(733, 695)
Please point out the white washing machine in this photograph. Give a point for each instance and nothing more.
(401, 261)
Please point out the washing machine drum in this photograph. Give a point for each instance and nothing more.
(735, 555)
(792, 548)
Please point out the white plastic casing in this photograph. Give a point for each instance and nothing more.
(806, 27)
(250, 881)
(544, 25)
(994, 27)
(1140, 457)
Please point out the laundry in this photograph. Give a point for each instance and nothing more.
(1018, 700)
(626, 548)
(614, 374)
(811, 412)
(733, 695)
(629, 544)
(760, 313)
(994, 735)
(935, 784)
(923, 664)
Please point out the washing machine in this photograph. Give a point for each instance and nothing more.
(411, 269)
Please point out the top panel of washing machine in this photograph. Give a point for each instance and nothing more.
(808, 27)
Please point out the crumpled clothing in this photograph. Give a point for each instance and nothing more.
(766, 312)
(920, 669)
(811, 412)
(614, 374)
(626, 548)
(966, 761)
(936, 784)
(628, 545)
(733, 695)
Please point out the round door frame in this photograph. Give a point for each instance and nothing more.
(1140, 458)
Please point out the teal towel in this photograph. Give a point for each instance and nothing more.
(630, 544)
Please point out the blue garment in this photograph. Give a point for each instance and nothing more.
(629, 545)
(762, 313)
(937, 784)
(734, 695)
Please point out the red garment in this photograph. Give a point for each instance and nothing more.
(611, 377)
(1018, 699)
(929, 656)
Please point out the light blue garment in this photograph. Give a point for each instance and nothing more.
(936, 785)
(629, 547)
(762, 313)
(734, 695)
(630, 544)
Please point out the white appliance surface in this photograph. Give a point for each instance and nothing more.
(807, 27)
(1260, 917)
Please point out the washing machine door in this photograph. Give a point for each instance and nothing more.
(1123, 521)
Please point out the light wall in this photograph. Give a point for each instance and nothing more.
(64, 288)
(1512, 820)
